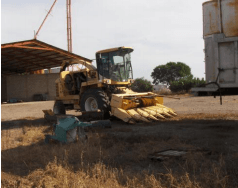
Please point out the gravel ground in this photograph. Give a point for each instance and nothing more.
(186, 105)
(208, 105)
(26, 110)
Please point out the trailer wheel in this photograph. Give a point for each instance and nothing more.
(94, 99)
(59, 108)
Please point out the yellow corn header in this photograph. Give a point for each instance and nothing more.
(144, 107)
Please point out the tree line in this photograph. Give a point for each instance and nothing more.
(176, 75)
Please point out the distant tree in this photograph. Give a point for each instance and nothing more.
(142, 85)
(170, 72)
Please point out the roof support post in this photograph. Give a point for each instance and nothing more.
(69, 25)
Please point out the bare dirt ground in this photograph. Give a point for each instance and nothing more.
(186, 105)
(202, 123)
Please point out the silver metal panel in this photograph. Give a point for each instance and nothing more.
(207, 89)
(210, 65)
(229, 85)
(210, 18)
(229, 9)
(221, 53)
(220, 17)
(227, 62)
(224, 39)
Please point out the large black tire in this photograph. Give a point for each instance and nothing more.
(94, 99)
(59, 108)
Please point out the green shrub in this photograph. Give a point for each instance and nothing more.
(185, 84)
(141, 85)
(169, 72)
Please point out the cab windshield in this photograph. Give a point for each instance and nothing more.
(115, 65)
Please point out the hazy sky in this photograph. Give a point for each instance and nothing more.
(159, 30)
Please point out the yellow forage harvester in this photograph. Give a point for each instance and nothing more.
(83, 87)
(144, 107)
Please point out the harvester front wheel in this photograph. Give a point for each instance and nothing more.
(94, 99)
(59, 108)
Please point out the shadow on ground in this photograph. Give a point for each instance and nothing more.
(124, 146)
(12, 124)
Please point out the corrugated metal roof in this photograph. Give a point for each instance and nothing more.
(32, 55)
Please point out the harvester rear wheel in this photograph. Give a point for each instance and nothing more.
(94, 99)
(59, 108)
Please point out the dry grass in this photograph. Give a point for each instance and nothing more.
(31, 135)
(55, 175)
(110, 160)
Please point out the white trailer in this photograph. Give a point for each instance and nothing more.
(220, 33)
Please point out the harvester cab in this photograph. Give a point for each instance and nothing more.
(115, 64)
(107, 88)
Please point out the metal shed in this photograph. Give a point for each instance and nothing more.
(32, 55)
(25, 57)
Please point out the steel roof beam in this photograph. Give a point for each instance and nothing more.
(23, 61)
(71, 55)
(41, 57)
(27, 47)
